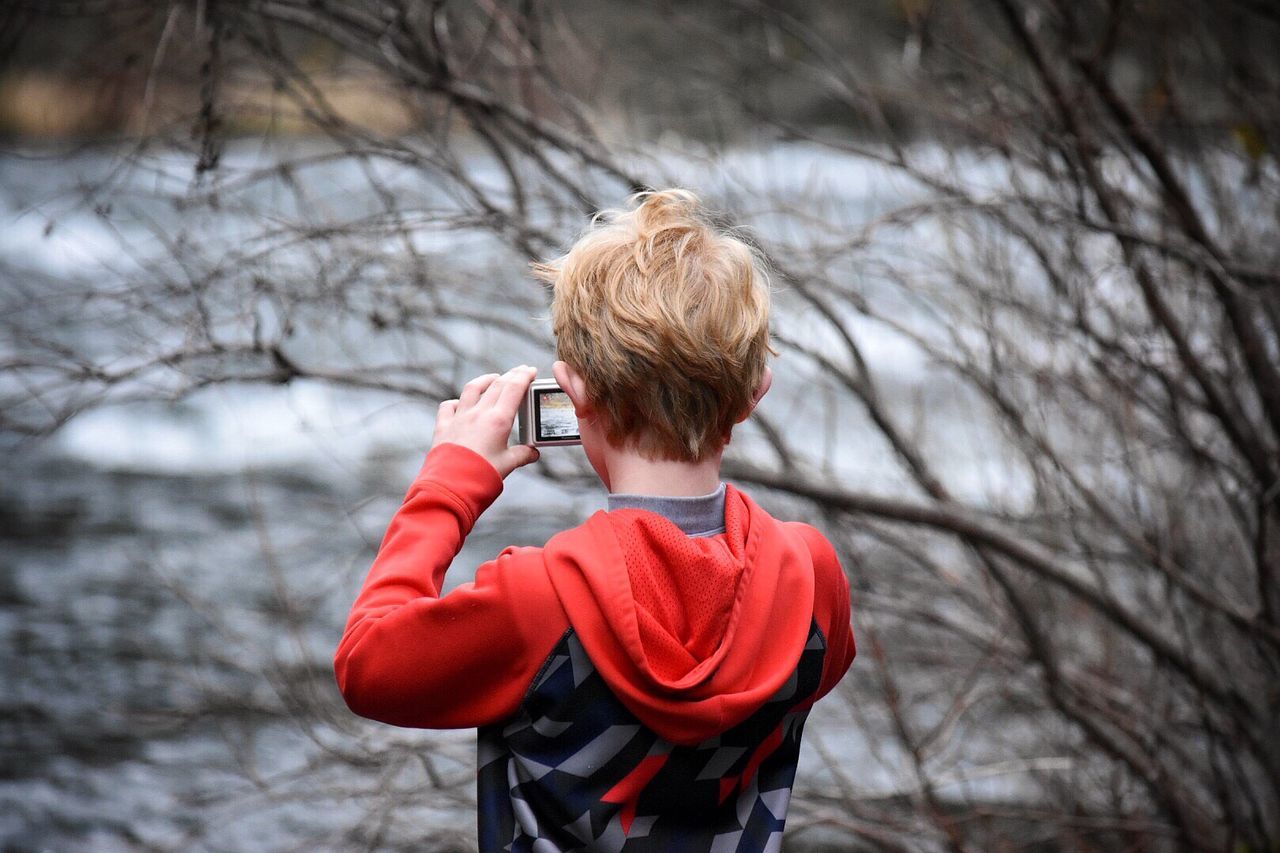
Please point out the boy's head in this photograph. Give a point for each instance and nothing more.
(665, 317)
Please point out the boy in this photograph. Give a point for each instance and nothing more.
(640, 682)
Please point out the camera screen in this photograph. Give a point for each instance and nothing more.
(554, 411)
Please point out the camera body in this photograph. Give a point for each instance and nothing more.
(547, 418)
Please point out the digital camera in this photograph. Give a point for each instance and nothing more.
(547, 418)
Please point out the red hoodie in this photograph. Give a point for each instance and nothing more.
(630, 682)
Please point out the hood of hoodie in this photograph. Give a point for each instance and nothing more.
(692, 634)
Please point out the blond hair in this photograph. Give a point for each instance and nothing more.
(665, 315)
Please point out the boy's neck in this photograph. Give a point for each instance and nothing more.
(632, 474)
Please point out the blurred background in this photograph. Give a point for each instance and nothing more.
(1026, 271)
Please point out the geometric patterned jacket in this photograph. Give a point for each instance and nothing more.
(577, 771)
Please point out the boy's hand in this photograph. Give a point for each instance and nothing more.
(482, 417)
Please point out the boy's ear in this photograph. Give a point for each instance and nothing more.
(574, 385)
(766, 381)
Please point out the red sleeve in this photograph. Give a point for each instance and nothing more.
(410, 657)
(831, 608)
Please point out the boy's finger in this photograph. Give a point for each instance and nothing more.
(513, 388)
(494, 391)
(472, 390)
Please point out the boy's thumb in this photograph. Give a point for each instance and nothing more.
(522, 454)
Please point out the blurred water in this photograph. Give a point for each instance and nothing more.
(174, 577)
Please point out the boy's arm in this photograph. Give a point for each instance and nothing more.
(413, 658)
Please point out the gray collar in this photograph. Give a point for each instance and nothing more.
(696, 515)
